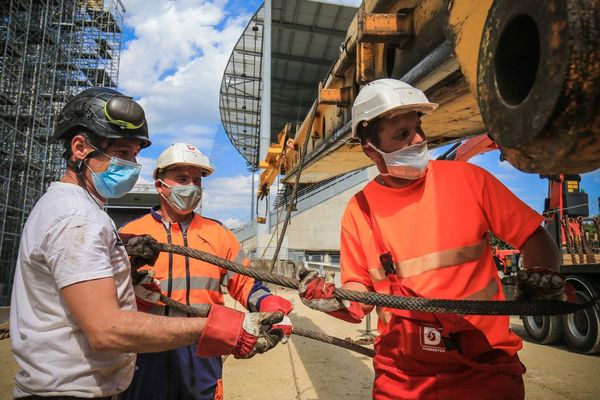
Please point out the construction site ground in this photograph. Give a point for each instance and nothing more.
(305, 369)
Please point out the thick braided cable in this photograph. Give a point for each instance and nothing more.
(323, 337)
(288, 215)
(470, 307)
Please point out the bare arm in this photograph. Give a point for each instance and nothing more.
(540, 251)
(108, 328)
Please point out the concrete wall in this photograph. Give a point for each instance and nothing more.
(318, 228)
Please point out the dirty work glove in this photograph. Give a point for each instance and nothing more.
(229, 331)
(283, 329)
(542, 283)
(316, 292)
(147, 292)
(139, 250)
(274, 303)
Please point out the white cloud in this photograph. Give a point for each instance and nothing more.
(147, 169)
(227, 197)
(174, 65)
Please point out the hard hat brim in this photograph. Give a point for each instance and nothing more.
(206, 171)
(424, 108)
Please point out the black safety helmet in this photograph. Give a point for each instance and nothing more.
(103, 112)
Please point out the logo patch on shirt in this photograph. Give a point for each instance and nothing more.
(431, 339)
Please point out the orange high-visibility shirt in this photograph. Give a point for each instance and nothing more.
(437, 231)
(191, 281)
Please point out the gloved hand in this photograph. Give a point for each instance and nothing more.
(228, 331)
(283, 328)
(147, 291)
(316, 291)
(273, 303)
(139, 250)
(542, 283)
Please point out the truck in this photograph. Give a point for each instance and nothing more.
(568, 221)
(525, 74)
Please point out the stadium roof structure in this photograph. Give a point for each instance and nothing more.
(306, 37)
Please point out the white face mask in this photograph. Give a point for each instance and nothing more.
(407, 163)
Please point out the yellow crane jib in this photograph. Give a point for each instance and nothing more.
(272, 163)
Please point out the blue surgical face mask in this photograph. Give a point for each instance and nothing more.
(118, 179)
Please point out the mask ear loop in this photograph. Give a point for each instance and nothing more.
(381, 159)
(167, 185)
(78, 168)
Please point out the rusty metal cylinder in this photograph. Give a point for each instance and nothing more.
(538, 83)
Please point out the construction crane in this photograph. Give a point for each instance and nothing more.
(527, 73)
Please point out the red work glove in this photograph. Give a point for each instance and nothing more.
(139, 249)
(542, 283)
(147, 292)
(283, 328)
(316, 292)
(273, 303)
(228, 331)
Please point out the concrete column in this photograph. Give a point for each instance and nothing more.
(263, 230)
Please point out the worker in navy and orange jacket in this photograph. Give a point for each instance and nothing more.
(421, 228)
(179, 374)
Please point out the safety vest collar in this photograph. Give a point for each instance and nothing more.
(155, 214)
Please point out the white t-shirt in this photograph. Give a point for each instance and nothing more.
(67, 239)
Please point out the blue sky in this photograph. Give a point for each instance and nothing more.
(173, 57)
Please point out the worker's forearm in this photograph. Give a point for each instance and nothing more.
(541, 251)
(136, 332)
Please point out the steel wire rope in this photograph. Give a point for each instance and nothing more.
(467, 307)
(277, 224)
(323, 337)
(295, 189)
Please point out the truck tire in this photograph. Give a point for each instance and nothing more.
(581, 330)
(545, 329)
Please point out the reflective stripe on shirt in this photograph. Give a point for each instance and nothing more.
(441, 259)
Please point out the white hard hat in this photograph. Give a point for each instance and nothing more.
(182, 154)
(385, 95)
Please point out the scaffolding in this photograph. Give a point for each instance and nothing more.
(49, 51)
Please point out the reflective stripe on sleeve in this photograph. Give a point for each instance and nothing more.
(254, 297)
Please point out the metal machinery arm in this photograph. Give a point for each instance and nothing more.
(527, 72)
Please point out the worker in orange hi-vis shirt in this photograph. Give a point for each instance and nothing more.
(190, 373)
(421, 228)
